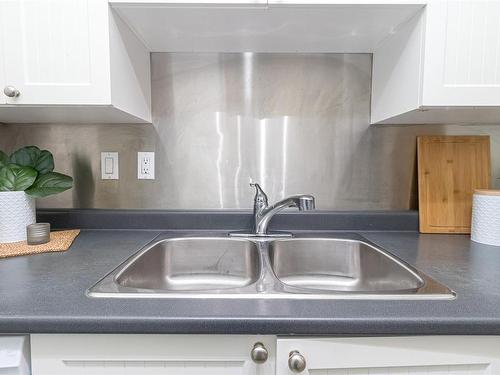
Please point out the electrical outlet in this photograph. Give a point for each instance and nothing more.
(146, 165)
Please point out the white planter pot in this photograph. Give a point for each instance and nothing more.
(486, 217)
(17, 210)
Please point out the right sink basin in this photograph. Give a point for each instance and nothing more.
(340, 265)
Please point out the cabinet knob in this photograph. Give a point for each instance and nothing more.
(259, 353)
(11, 92)
(296, 362)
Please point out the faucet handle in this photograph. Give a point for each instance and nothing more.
(260, 201)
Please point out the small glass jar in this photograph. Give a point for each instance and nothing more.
(38, 233)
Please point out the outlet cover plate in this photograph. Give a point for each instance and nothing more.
(146, 165)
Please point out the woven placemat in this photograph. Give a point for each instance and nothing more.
(59, 241)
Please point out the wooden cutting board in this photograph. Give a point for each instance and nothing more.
(450, 168)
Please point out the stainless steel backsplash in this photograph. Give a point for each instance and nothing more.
(296, 123)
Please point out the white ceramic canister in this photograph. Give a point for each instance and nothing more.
(17, 210)
(485, 227)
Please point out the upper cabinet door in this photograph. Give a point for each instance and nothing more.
(56, 51)
(3, 83)
(462, 53)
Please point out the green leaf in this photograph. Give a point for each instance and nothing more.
(16, 178)
(50, 183)
(32, 156)
(4, 159)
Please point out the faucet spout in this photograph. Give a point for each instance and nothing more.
(306, 203)
(263, 212)
(303, 202)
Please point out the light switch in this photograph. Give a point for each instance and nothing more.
(109, 166)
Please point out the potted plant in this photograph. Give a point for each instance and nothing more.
(26, 174)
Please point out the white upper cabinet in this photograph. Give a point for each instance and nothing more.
(81, 61)
(71, 61)
(3, 98)
(54, 51)
(462, 60)
(442, 66)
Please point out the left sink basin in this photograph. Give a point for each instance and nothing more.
(193, 265)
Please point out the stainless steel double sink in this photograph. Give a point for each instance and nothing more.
(225, 267)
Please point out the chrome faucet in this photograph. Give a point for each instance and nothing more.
(263, 213)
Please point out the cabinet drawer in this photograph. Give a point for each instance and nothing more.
(392, 355)
(148, 355)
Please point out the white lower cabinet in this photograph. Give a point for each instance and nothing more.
(14, 355)
(149, 355)
(430, 355)
(101, 354)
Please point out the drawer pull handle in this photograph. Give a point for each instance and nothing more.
(296, 362)
(11, 92)
(259, 353)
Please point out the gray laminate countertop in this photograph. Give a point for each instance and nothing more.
(46, 293)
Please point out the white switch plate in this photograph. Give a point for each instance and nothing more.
(109, 166)
(146, 165)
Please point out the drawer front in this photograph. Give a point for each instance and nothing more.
(478, 355)
(149, 355)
